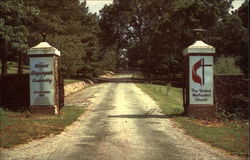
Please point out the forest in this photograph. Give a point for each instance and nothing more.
(146, 35)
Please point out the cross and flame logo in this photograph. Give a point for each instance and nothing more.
(195, 76)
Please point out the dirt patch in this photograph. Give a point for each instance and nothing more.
(209, 123)
(109, 74)
(74, 87)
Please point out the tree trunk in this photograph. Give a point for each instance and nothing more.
(4, 57)
(146, 69)
(148, 63)
(169, 64)
(20, 63)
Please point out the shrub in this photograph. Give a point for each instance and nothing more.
(240, 106)
(236, 109)
(227, 66)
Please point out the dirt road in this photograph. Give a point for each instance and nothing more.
(121, 123)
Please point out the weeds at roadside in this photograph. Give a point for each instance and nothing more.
(68, 81)
(17, 128)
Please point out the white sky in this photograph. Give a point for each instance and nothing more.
(237, 3)
(96, 5)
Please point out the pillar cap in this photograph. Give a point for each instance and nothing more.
(199, 47)
(43, 48)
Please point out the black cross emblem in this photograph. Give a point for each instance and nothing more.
(203, 70)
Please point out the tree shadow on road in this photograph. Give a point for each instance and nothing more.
(144, 116)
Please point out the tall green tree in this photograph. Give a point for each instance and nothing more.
(14, 15)
(230, 36)
(243, 13)
(73, 30)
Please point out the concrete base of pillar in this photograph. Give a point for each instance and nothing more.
(43, 109)
(201, 111)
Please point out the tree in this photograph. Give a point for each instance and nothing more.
(13, 32)
(230, 37)
(158, 30)
(72, 30)
(243, 13)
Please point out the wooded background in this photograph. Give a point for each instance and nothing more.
(148, 35)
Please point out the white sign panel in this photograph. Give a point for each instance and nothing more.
(201, 81)
(41, 81)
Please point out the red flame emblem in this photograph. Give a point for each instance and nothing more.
(195, 76)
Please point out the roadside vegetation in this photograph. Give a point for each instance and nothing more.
(227, 66)
(18, 128)
(168, 98)
(232, 135)
(68, 81)
(92, 43)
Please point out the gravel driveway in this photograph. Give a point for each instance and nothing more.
(121, 123)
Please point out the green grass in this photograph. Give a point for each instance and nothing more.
(17, 128)
(168, 98)
(137, 76)
(68, 81)
(232, 136)
(12, 68)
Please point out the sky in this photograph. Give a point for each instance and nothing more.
(96, 5)
(237, 3)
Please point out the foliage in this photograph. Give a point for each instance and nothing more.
(154, 32)
(243, 13)
(146, 34)
(240, 106)
(230, 37)
(14, 16)
(109, 59)
(69, 27)
(237, 109)
(72, 30)
(227, 66)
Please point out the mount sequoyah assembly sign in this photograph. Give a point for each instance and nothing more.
(201, 80)
(41, 81)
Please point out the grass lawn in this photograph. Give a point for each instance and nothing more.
(232, 136)
(17, 128)
(168, 98)
(12, 68)
(137, 76)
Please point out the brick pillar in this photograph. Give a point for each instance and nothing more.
(44, 84)
(199, 80)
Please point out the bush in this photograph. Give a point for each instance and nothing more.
(240, 106)
(237, 108)
(227, 66)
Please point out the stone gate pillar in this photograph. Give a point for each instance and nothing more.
(199, 80)
(44, 79)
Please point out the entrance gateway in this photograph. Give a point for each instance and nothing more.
(44, 79)
(199, 80)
